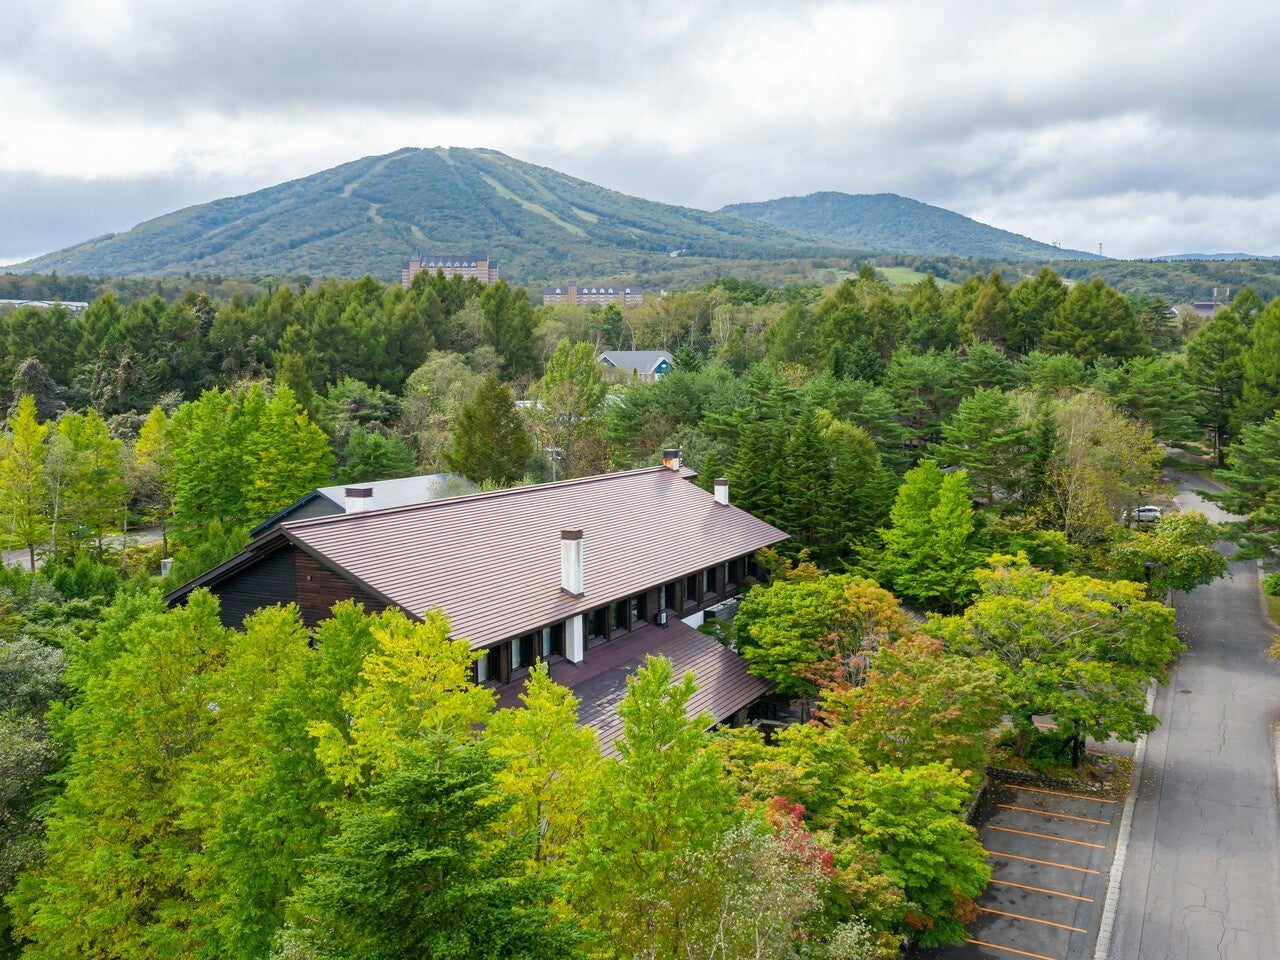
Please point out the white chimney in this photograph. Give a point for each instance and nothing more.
(722, 491)
(671, 459)
(358, 499)
(571, 562)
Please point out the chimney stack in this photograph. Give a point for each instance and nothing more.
(358, 498)
(671, 459)
(722, 491)
(571, 562)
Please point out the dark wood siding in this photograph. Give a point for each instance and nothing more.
(317, 589)
(269, 581)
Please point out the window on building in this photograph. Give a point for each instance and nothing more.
(639, 608)
(691, 588)
(523, 650)
(596, 623)
(669, 596)
(709, 580)
(551, 641)
(486, 667)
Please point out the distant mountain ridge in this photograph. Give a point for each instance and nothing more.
(369, 215)
(888, 223)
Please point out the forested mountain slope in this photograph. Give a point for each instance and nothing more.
(886, 222)
(367, 216)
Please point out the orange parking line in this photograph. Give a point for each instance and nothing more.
(1060, 816)
(1021, 953)
(1052, 893)
(1046, 836)
(1055, 793)
(1018, 916)
(1046, 863)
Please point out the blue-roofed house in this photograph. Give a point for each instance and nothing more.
(637, 364)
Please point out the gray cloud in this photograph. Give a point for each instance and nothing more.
(1064, 117)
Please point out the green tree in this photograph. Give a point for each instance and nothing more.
(370, 455)
(1215, 367)
(989, 438)
(912, 821)
(289, 456)
(665, 799)
(94, 490)
(1094, 321)
(567, 411)
(114, 879)
(929, 550)
(1102, 464)
(509, 328)
(153, 472)
(490, 441)
(1179, 554)
(414, 684)
(409, 876)
(1260, 390)
(1075, 648)
(22, 483)
(919, 704)
(805, 633)
(1252, 481)
(1033, 309)
(549, 766)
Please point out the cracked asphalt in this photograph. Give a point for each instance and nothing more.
(1202, 878)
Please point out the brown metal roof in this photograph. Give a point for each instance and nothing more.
(600, 681)
(492, 561)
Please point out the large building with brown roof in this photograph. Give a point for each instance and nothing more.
(467, 266)
(590, 575)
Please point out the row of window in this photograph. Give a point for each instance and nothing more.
(603, 623)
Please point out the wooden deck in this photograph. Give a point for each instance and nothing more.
(600, 680)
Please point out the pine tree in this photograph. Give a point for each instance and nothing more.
(490, 441)
(1260, 390)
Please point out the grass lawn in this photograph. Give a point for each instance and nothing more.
(899, 276)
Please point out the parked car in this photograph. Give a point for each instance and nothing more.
(1149, 513)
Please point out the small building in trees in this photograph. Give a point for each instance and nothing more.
(636, 364)
(351, 498)
(590, 575)
(476, 266)
(591, 294)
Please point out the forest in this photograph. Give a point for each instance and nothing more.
(955, 463)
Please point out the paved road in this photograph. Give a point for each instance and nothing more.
(1202, 880)
(22, 557)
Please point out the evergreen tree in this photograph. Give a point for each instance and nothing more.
(490, 441)
(802, 478)
(1215, 367)
(1033, 309)
(861, 490)
(929, 553)
(289, 455)
(409, 875)
(1260, 389)
(1094, 321)
(988, 438)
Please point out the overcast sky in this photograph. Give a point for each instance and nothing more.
(1147, 126)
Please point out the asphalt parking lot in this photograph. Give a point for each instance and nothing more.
(1049, 851)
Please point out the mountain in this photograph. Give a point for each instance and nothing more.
(369, 215)
(888, 223)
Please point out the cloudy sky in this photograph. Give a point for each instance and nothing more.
(1147, 126)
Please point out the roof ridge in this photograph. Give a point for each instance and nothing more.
(682, 473)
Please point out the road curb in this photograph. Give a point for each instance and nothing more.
(1107, 921)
